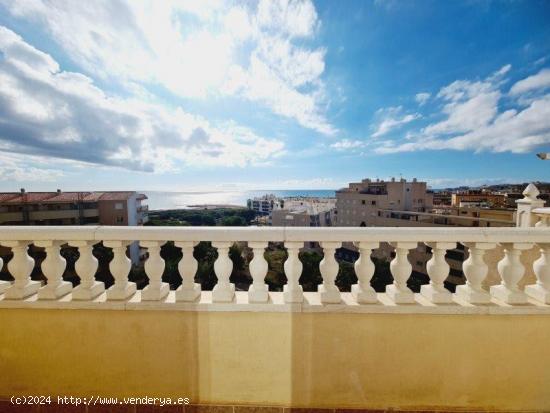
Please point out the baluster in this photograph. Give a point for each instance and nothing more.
(541, 290)
(20, 267)
(4, 285)
(475, 271)
(187, 267)
(154, 267)
(438, 270)
(53, 267)
(86, 267)
(258, 290)
(223, 291)
(120, 268)
(511, 271)
(329, 270)
(292, 291)
(401, 270)
(364, 269)
(543, 221)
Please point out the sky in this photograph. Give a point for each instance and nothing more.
(210, 95)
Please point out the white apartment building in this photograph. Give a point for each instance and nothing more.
(304, 212)
(263, 204)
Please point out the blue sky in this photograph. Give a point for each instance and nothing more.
(272, 94)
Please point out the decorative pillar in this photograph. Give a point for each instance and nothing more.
(511, 271)
(525, 206)
(120, 268)
(258, 290)
(187, 267)
(438, 270)
(53, 267)
(156, 290)
(223, 291)
(4, 285)
(292, 291)
(329, 293)
(364, 269)
(20, 267)
(475, 270)
(401, 270)
(86, 267)
(541, 267)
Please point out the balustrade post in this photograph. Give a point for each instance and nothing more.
(258, 290)
(4, 285)
(53, 267)
(86, 267)
(541, 267)
(292, 291)
(475, 270)
(187, 267)
(156, 290)
(20, 267)
(329, 293)
(511, 271)
(401, 270)
(120, 268)
(364, 269)
(438, 270)
(526, 205)
(223, 291)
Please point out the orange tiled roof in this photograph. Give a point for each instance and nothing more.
(30, 197)
(116, 196)
(62, 197)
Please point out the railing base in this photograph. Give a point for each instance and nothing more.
(538, 292)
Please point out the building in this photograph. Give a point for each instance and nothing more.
(362, 202)
(304, 212)
(72, 208)
(478, 197)
(263, 205)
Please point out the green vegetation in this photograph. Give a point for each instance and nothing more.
(229, 217)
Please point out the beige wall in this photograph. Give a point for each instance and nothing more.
(108, 214)
(486, 362)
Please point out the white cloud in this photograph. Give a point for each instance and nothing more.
(391, 119)
(255, 51)
(537, 82)
(60, 114)
(422, 98)
(17, 168)
(347, 144)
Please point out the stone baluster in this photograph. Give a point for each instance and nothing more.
(541, 290)
(258, 290)
(438, 270)
(511, 271)
(401, 270)
(156, 290)
(187, 267)
(525, 206)
(543, 220)
(292, 291)
(4, 285)
(20, 267)
(328, 267)
(223, 291)
(53, 267)
(475, 270)
(86, 267)
(120, 268)
(364, 269)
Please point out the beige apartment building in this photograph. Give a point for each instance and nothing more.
(304, 212)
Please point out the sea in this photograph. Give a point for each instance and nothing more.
(158, 200)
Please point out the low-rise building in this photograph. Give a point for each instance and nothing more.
(487, 197)
(304, 212)
(263, 205)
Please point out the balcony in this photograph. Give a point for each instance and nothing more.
(434, 350)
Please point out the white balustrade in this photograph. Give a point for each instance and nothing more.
(20, 267)
(511, 271)
(86, 267)
(475, 270)
(258, 290)
(330, 294)
(401, 270)
(541, 290)
(52, 268)
(223, 291)
(4, 285)
(187, 267)
(154, 267)
(362, 292)
(120, 268)
(292, 291)
(438, 271)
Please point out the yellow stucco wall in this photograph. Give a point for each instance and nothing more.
(316, 359)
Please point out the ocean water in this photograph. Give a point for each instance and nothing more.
(180, 200)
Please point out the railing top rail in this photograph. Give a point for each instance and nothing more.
(299, 234)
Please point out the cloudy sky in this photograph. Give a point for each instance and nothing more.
(198, 95)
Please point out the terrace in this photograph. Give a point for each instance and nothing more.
(225, 350)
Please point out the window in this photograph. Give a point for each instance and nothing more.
(363, 202)
(118, 205)
(373, 202)
(119, 220)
